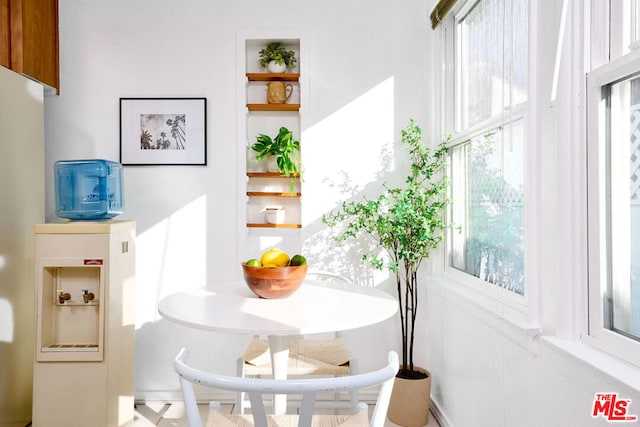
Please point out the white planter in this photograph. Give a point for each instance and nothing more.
(272, 165)
(273, 67)
(274, 215)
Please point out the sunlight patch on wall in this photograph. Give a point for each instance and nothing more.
(6, 321)
(347, 156)
(171, 256)
(348, 150)
(3, 261)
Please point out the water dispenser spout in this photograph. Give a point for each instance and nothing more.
(87, 296)
(63, 296)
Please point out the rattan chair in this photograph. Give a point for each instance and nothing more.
(307, 357)
(308, 388)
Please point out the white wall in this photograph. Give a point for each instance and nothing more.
(366, 79)
(21, 206)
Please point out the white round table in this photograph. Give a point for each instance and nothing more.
(316, 307)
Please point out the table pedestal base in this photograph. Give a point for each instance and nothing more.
(279, 348)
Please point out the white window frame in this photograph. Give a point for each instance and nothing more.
(508, 304)
(622, 40)
(598, 335)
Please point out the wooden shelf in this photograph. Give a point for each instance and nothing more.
(271, 175)
(273, 107)
(265, 225)
(273, 194)
(269, 77)
(263, 188)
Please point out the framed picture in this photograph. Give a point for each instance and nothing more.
(163, 131)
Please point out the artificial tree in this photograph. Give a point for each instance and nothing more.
(408, 223)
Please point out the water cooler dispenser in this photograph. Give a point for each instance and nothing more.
(84, 353)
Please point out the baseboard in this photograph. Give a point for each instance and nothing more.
(174, 396)
(143, 397)
(437, 413)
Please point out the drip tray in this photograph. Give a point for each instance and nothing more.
(74, 347)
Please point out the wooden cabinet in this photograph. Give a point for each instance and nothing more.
(29, 39)
(5, 52)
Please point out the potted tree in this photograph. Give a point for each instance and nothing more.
(408, 224)
(282, 149)
(276, 58)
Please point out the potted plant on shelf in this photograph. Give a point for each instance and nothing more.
(408, 224)
(280, 151)
(276, 58)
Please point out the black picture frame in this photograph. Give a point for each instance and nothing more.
(163, 131)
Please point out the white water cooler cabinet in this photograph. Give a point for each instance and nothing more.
(83, 372)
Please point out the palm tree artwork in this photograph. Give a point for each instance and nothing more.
(145, 140)
(163, 132)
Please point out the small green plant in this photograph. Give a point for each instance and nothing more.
(283, 147)
(407, 223)
(276, 52)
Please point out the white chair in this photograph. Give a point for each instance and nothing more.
(308, 388)
(307, 357)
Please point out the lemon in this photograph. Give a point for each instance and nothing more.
(276, 257)
(269, 265)
(298, 260)
(253, 263)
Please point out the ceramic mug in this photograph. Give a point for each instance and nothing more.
(278, 92)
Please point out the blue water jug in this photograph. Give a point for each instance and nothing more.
(88, 189)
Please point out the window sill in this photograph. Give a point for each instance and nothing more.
(607, 364)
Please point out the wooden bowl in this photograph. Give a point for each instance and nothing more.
(274, 282)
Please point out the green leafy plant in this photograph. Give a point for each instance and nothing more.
(276, 52)
(408, 224)
(283, 147)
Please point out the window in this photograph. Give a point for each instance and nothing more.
(488, 125)
(625, 28)
(488, 193)
(614, 194)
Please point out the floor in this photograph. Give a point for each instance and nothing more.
(172, 415)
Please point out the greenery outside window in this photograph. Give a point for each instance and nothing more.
(488, 125)
(488, 191)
